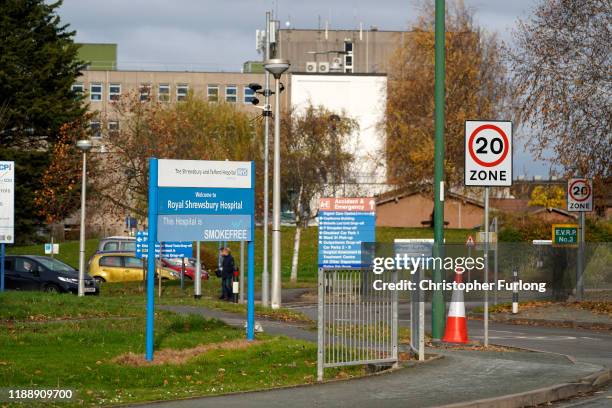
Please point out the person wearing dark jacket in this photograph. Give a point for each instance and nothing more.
(227, 273)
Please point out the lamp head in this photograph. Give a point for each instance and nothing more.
(276, 66)
(84, 145)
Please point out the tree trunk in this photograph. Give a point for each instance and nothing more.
(296, 238)
(296, 252)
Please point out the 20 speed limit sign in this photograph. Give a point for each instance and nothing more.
(488, 153)
(579, 195)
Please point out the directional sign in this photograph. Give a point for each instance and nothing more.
(168, 249)
(344, 224)
(488, 153)
(579, 195)
(7, 202)
(51, 249)
(565, 235)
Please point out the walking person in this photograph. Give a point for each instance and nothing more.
(227, 273)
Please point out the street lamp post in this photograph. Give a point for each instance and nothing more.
(276, 67)
(265, 281)
(85, 146)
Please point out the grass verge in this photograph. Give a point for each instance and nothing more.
(81, 355)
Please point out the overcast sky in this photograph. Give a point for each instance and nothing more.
(220, 35)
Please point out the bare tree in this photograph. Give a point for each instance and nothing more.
(314, 157)
(561, 75)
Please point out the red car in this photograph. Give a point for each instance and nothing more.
(190, 270)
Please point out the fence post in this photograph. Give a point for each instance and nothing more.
(321, 327)
(394, 321)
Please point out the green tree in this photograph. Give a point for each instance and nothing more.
(38, 65)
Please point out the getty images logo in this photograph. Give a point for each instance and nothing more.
(242, 171)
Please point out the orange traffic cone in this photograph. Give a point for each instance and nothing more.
(456, 323)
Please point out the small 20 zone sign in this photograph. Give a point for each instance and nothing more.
(488, 153)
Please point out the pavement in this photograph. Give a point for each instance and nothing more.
(460, 376)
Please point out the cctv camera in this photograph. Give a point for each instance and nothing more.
(255, 87)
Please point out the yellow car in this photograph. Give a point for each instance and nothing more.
(123, 267)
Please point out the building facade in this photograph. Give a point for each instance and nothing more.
(347, 51)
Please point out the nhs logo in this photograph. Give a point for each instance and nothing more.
(241, 171)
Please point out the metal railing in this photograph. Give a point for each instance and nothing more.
(356, 323)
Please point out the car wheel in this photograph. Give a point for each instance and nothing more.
(52, 288)
(99, 279)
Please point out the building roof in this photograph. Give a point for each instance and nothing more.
(398, 194)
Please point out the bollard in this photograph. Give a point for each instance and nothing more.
(515, 291)
(235, 286)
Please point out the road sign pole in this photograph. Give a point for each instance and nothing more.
(437, 308)
(152, 237)
(495, 277)
(2, 253)
(241, 296)
(251, 272)
(580, 259)
(183, 273)
(486, 268)
(197, 285)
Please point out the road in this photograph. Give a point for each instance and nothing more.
(580, 345)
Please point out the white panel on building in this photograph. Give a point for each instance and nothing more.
(361, 97)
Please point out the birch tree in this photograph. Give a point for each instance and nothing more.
(315, 155)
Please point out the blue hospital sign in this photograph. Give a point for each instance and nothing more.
(205, 200)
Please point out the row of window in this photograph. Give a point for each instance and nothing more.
(163, 92)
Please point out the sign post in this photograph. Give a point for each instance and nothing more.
(488, 163)
(196, 200)
(580, 199)
(7, 211)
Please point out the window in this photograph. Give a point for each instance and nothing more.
(249, 94)
(24, 265)
(78, 88)
(95, 91)
(96, 129)
(128, 246)
(231, 93)
(145, 92)
(348, 57)
(113, 127)
(112, 261)
(213, 93)
(8, 264)
(114, 92)
(111, 246)
(132, 262)
(181, 92)
(163, 93)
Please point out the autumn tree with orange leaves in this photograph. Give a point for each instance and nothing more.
(476, 88)
(61, 181)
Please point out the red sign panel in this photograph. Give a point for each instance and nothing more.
(353, 204)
